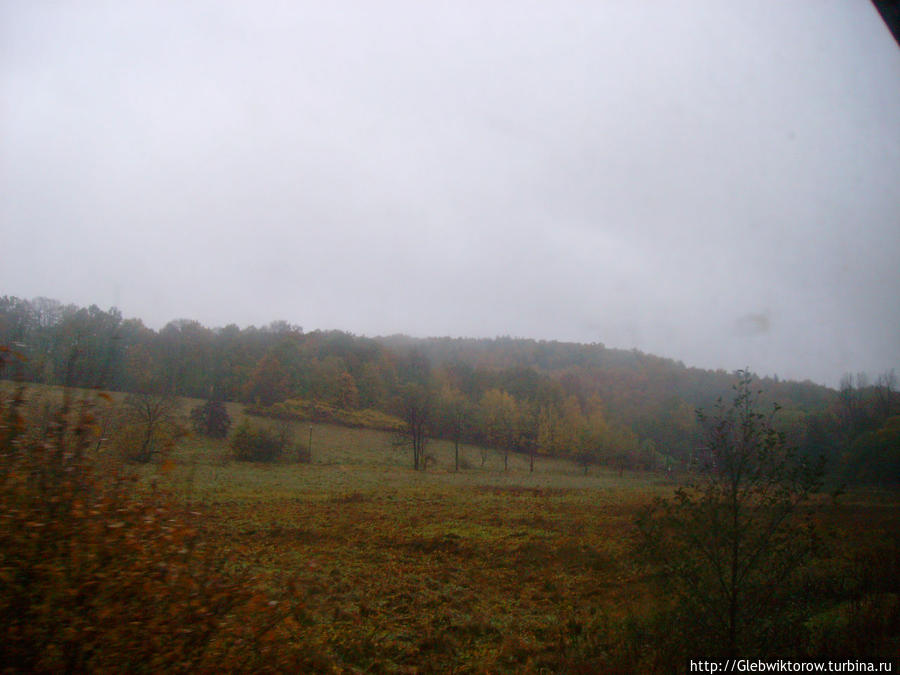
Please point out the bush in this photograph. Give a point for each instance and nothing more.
(257, 444)
(211, 419)
(298, 409)
(101, 574)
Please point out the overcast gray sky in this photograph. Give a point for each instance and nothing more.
(717, 182)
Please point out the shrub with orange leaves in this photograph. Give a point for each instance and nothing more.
(103, 574)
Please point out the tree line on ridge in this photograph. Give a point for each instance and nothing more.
(594, 404)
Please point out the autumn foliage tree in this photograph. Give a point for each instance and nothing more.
(267, 383)
(500, 417)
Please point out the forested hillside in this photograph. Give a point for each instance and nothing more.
(598, 405)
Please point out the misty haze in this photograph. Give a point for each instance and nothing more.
(644, 177)
(448, 337)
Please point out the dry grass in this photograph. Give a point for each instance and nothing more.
(480, 570)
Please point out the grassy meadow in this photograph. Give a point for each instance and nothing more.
(480, 570)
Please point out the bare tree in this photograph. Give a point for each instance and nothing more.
(153, 416)
(454, 410)
(885, 392)
(416, 402)
(727, 546)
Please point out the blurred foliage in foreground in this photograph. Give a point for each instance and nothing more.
(102, 574)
